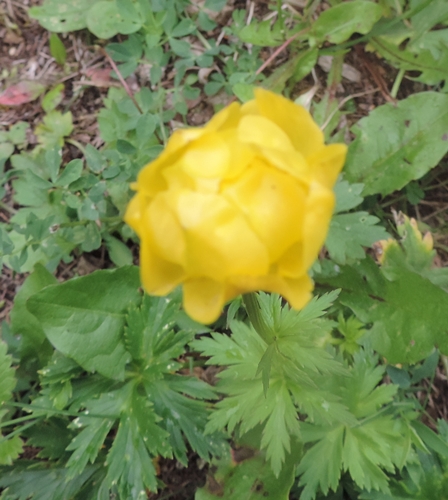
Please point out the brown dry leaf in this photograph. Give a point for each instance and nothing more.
(21, 93)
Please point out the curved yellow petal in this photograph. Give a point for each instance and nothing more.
(208, 157)
(220, 242)
(203, 299)
(293, 119)
(159, 277)
(326, 164)
(167, 234)
(274, 204)
(225, 119)
(260, 131)
(318, 212)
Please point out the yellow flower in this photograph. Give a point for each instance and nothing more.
(240, 205)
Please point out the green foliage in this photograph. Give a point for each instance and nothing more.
(288, 364)
(250, 478)
(350, 232)
(104, 382)
(408, 312)
(11, 445)
(384, 164)
(133, 345)
(376, 441)
(338, 23)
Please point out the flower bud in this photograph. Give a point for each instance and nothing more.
(239, 205)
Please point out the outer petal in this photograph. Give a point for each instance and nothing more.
(296, 291)
(151, 179)
(291, 263)
(204, 299)
(134, 211)
(227, 118)
(208, 157)
(159, 277)
(263, 132)
(319, 209)
(274, 206)
(167, 234)
(326, 164)
(293, 119)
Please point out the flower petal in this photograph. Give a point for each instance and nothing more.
(203, 299)
(208, 157)
(326, 164)
(227, 118)
(273, 204)
(220, 242)
(263, 132)
(159, 277)
(293, 119)
(167, 234)
(318, 212)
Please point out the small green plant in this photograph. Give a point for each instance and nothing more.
(99, 380)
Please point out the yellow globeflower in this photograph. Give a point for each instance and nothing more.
(239, 205)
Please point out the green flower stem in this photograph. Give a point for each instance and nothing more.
(256, 318)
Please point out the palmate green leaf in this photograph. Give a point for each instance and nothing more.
(130, 466)
(394, 145)
(415, 251)
(181, 415)
(365, 448)
(408, 312)
(321, 466)
(44, 484)
(10, 449)
(51, 436)
(97, 420)
(84, 318)
(149, 333)
(294, 358)
(251, 479)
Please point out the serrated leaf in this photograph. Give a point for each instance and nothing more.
(10, 449)
(262, 33)
(409, 313)
(7, 378)
(292, 360)
(46, 484)
(348, 195)
(432, 69)
(129, 464)
(349, 233)
(365, 448)
(54, 127)
(394, 145)
(251, 479)
(326, 475)
(84, 318)
(181, 414)
(338, 23)
(51, 436)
